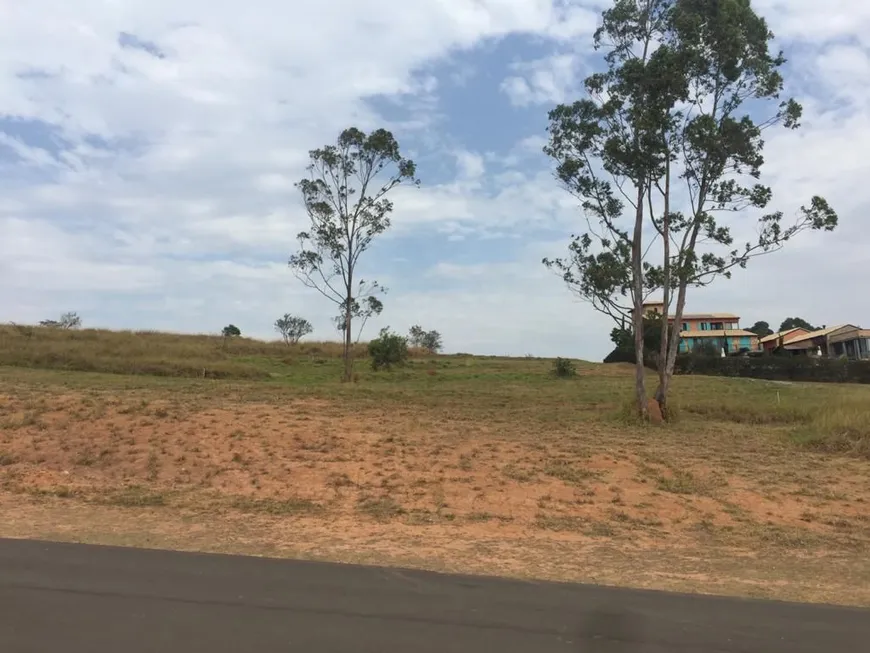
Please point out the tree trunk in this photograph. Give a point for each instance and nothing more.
(348, 342)
(674, 340)
(638, 315)
(667, 372)
(637, 265)
(661, 395)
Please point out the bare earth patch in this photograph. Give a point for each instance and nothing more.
(412, 486)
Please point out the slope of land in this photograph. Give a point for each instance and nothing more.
(457, 463)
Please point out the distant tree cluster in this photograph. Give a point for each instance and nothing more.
(428, 340)
(762, 329)
(797, 323)
(66, 321)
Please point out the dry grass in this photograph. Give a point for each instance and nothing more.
(154, 353)
(454, 462)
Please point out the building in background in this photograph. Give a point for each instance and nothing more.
(777, 340)
(851, 342)
(844, 340)
(712, 332)
(715, 332)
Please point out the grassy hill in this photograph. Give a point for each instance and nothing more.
(828, 417)
(154, 353)
(461, 463)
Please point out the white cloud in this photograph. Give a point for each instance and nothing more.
(470, 165)
(547, 81)
(186, 221)
(814, 22)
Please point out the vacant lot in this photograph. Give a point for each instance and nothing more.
(456, 463)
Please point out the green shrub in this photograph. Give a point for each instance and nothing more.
(625, 354)
(564, 368)
(388, 349)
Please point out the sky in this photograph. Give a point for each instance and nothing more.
(149, 150)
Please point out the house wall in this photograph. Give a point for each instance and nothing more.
(708, 324)
(811, 347)
(734, 343)
(770, 345)
(858, 348)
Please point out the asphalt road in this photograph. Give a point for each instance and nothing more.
(87, 599)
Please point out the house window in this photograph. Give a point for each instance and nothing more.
(717, 326)
(685, 326)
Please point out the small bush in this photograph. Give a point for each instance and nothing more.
(387, 350)
(292, 328)
(564, 368)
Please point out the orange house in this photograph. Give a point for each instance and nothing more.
(775, 340)
(710, 331)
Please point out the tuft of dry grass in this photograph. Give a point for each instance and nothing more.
(840, 427)
(826, 417)
(380, 508)
(681, 482)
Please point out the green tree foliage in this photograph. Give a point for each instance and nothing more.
(388, 350)
(292, 328)
(345, 197)
(677, 122)
(608, 147)
(796, 323)
(623, 338)
(722, 50)
(231, 331)
(428, 340)
(761, 329)
(652, 335)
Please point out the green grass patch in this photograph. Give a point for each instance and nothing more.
(135, 497)
(380, 508)
(290, 506)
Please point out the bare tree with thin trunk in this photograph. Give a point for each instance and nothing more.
(345, 197)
